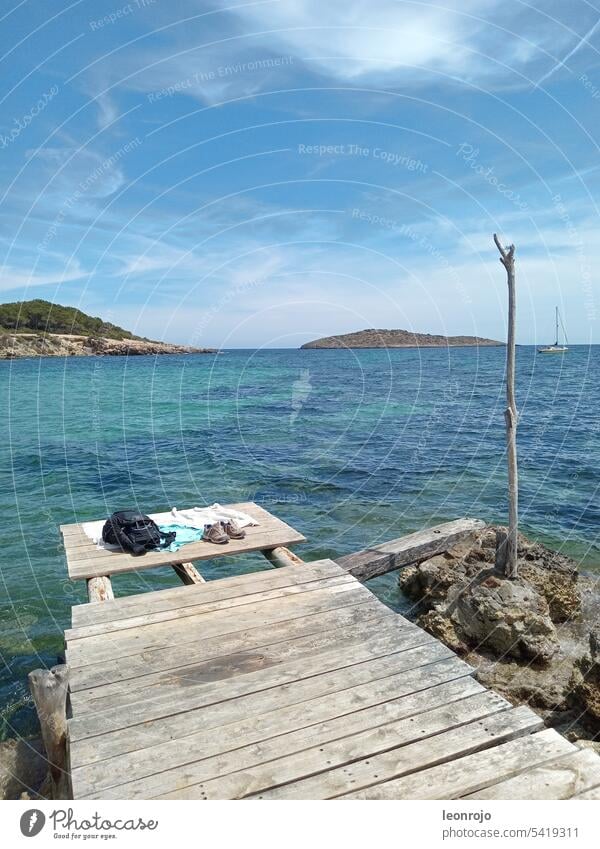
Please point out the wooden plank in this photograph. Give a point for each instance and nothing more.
(319, 682)
(559, 779)
(474, 772)
(148, 662)
(188, 574)
(589, 794)
(336, 755)
(379, 559)
(202, 608)
(194, 763)
(85, 561)
(100, 590)
(95, 649)
(156, 702)
(221, 732)
(223, 666)
(410, 758)
(236, 585)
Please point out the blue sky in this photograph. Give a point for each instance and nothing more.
(260, 174)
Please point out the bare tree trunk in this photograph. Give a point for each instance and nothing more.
(507, 549)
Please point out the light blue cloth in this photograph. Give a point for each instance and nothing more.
(184, 535)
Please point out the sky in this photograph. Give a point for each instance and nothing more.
(259, 174)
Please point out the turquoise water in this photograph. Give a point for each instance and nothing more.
(350, 447)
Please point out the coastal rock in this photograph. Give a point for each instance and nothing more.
(23, 769)
(18, 345)
(489, 611)
(588, 689)
(534, 639)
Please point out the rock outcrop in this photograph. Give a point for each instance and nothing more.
(533, 639)
(23, 769)
(17, 345)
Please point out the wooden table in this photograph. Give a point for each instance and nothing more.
(85, 560)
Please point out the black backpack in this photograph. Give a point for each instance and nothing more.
(135, 533)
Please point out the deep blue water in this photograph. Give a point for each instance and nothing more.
(350, 447)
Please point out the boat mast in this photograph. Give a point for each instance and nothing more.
(556, 343)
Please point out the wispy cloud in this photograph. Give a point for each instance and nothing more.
(23, 278)
(582, 41)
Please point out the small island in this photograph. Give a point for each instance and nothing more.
(398, 339)
(39, 328)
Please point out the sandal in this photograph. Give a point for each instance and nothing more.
(233, 530)
(215, 534)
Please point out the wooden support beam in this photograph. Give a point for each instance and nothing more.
(100, 589)
(188, 573)
(414, 548)
(49, 690)
(281, 556)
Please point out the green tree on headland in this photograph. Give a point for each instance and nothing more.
(40, 316)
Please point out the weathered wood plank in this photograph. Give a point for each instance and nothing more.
(337, 755)
(316, 683)
(154, 703)
(410, 758)
(560, 779)
(95, 649)
(116, 673)
(589, 794)
(177, 597)
(191, 611)
(406, 550)
(194, 763)
(224, 666)
(475, 771)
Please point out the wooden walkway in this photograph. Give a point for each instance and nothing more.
(293, 683)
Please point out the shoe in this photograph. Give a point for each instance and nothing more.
(215, 534)
(233, 530)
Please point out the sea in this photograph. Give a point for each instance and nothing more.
(351, 447)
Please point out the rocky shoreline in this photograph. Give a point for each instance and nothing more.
(18, 345)
(535, 639)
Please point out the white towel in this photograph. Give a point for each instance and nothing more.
(197, 517)
(193, 517)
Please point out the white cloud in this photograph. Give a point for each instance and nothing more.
(12, 277)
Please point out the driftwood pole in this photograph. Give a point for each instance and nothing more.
(49, 690)
(506, 543)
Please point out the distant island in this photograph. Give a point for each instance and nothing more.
(39, 328)
(398, 339)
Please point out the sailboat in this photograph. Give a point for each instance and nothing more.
(556, 348)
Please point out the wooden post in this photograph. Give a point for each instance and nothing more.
(188, 574)
(508, 555)
(100, 589)
(49, 690)
(281, 556)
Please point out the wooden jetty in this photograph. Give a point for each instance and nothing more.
(289, 683)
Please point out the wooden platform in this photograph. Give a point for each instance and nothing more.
(86, 560)
(293, 683)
